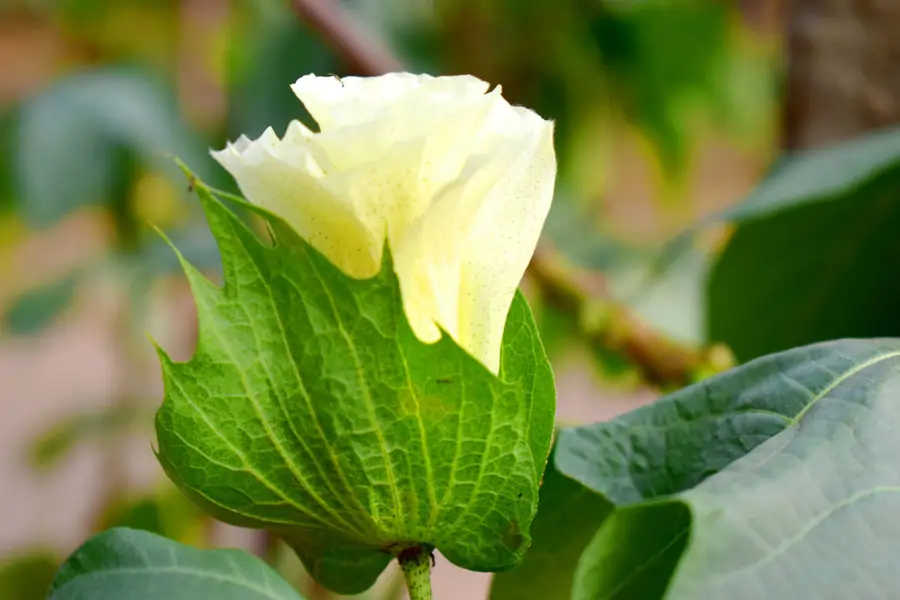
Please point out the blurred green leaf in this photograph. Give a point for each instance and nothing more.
(664, 59)
(558, 327)
(144, 514)
(276, 54)
(666, 290)
(165, 511)
(35, 309)
(634, 554)
(63, 162)
(574, 231)
(76, 138)
(196, 244)
(52, 446)
(776, 480)
(138, 565)
(27, 576)
(7, 127)
(814, 252)
(814, 176)
(673, 301)
(569, 515)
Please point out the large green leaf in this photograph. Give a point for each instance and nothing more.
(311, 409)
(775, 480)
(138, 565)
(813, 256)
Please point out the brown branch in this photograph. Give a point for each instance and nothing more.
(660, 360)
(610, 325)
(363, 53)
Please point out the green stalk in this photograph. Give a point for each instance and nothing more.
(416, 565)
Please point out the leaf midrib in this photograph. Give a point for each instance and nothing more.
(276, 310)
(807, 529)
(201, 298)
(364, 386)
(841, 379)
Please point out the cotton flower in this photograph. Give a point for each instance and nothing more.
(456, 179)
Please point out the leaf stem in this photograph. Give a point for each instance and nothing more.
(416, 565)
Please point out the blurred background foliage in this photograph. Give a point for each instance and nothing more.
(667, 114)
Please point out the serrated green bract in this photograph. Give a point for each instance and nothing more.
(311, 409)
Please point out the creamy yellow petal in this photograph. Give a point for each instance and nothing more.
(286, 181)
(456, 180)
(462, 262)
(414, 116)
(354, 100)
(399, 179)
(501, 243)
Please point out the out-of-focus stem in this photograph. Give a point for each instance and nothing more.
(605, 323)
(364, 53)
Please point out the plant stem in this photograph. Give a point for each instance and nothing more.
(416, 565)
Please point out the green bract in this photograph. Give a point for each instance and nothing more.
(311, 409)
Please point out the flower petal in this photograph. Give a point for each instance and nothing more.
(350, 101)
(500, 245)
(285, 179)
(458, 181)
(460, 265)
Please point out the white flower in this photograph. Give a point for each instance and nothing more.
(457, 179)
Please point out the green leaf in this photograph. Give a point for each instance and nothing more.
(36, 309)
(138, 565)
(311, 409)
(811, 257)
(774, 480)
(164, 511)
(574, 232)
(568, 517)
(811, 176)
(194, 242)
(275, 55)
(664, 58)
(673, 302)
(634, 554)
(73, 139)
(62, 163)
(55, 443)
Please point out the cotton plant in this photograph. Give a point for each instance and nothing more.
(368, 384)
(450, 178)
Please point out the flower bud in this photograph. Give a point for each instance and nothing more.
(457, 180)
